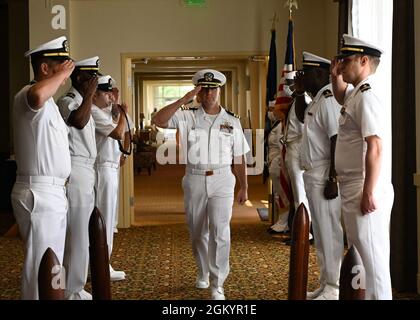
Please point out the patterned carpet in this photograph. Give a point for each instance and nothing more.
(157, 257)
(159, 265)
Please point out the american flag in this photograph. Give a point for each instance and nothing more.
(283, 102)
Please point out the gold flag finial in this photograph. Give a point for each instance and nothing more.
(290, 4)
(274, 20)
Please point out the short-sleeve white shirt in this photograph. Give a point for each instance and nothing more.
(81, 142)
(362, 115)
(108, 150)
(321, 123)
(40, 139)
(210, 143)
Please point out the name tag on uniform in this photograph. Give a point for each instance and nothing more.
(226, 127)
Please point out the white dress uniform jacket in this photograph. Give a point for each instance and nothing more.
(81, 194)
(107, 163)
(210, 143)
(38, 197)
(321, 123)
(363, 116)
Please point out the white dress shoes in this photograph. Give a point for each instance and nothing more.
(82, 295)
(116, 275)
(217, 293)
(329, 293)
(313, 294)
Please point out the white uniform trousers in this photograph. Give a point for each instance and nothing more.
(274, 171)
(208, 204)
(370, 235)
(81, 196)
(107, 198)
(326, 225)
(40, 210)
(292, 161)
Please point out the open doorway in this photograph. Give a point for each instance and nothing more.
(153, 81)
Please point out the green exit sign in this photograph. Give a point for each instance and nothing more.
(194, 3)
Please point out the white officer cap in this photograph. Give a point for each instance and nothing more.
(105, 83)
(90, 64)
(55, 49)
(351, 45)
(311, 60)
(209, 78)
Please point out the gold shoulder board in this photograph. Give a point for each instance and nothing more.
(365, 87)
(327, 93)
(232, 114)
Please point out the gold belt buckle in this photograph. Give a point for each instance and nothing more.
(209, 173)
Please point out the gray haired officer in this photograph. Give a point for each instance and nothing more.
(213, 138)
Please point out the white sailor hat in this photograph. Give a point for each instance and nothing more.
(105, 83)
(90, 64)
(55, 49)
(209, 78)
(351, 45)
(311, 60)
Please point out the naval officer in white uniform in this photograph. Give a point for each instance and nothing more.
(213, 139)
(107, 135)
(75, 108)
(317, 159)
(363, 162)
(43, 160)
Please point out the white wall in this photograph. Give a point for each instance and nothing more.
(108, 28)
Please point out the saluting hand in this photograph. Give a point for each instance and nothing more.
(242, 196)
(335, 68)
(298, 83)
(190, 95)
(90, 86)
(115, 95)
(66, 68)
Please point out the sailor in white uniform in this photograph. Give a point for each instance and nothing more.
(275, 162)
(43, 160)
(363, 162)
(212, 138)
(108, 133)
(317, 159)
(75, 107)
(293, 140)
